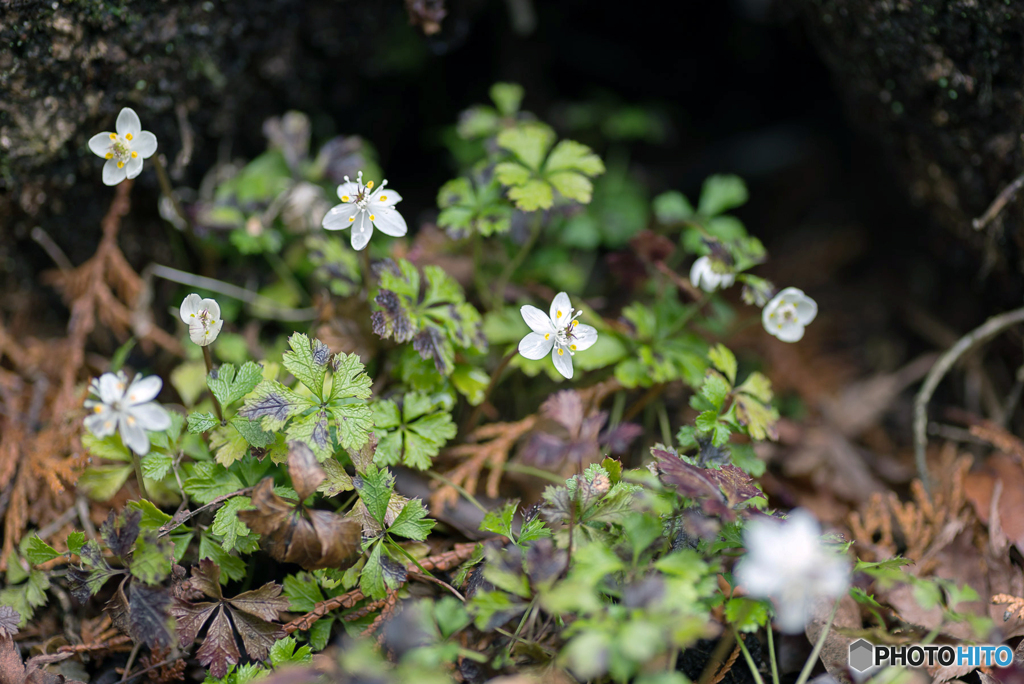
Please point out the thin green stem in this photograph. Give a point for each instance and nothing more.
(474, 417)
(536, 472)
(460, 489)
(750, 661)
(137, 463)
(168, 191)
(286, 275)
(681, 323)
(666, 428)
(805, 673)
(524, 251)
(771, 656)
(208, 358)
(618, 406)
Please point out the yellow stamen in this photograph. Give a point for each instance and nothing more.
(547, 336)
(110, 155)
(113, 136)
(134, 154)
(131, 420)
(572, 346)
(383, 197)
(192, 315)
(127, 136)
(344, 198)
(97, 409)
(120, 165)
(369, 185)
(372, 217)
(560, 352)
(558, 314)
(351, 219)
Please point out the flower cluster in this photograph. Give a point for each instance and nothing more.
(362, 208)
(118, 406)
(557, 332)
(203, 319)
(125, 149)
(787, 563)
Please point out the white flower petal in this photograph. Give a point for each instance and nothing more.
(212, 307)
(347, 191)
(538, 321)
(536, 345)
(133, 435)
(133, 167)
(151, 416)
(99, 144)
(794, 332)
(102, 423)
(583, 337)
(563, 361)
(128, 122)
(561, 309)
(143, 390)
(384, 197)
(190, 306)
(338, 217)
(697, 271)
(388, 221)
(145, 144)
(204, 333)
(112, 174)
(362, 229)
(112, 387)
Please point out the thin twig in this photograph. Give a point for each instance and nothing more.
(55, 526)
(1001, 200)
(979, 335)
(208, 359)
(52, 249)
(262, 306)
(717, 656)
(131, 661)
(172, 525)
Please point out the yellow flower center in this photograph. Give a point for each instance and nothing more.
(128, 136)
(97, 409)
(113, 136)
(561, 351)
(344, 198)
(120, 164)
(383, 197)
(369, 185)
(134, 154)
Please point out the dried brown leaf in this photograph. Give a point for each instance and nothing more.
(304, 469)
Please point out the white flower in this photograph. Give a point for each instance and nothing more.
(787, 563)
(124, 150)
(559, 333)
(203, 319)
(703, 275)
(364, 208)
(787, 314)
(130, 409)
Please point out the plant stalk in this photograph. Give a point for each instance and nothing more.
(208, 358)
(750, 660)
(771, 655)
(805, 673)
(524, 251)
(137, 463)
(168, 190)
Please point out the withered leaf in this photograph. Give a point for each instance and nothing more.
(9, 619)
(257, 635)
(430, 344)
(219, 650)
(290, 533)
(392, 320)
(206, 578)
(117, 608)
(717, 491)
(120, 533)
(566, 434)
(190, 618)
(304, 469)
(363, 458)
(265, 603)
(149, 618)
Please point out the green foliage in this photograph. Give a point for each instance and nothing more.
(413, 431)
(661, 351)
(470, 205)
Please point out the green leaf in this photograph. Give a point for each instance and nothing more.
(103, 482)
(37, 551)
(511, 173)
(156, 465)
(672, 207)
(228, 445)
(570, 155)
(152, 517)
(337, 481)
(451, 616)
(757, 386)
(715, 388)
(724, 360)
(110, 448)
(412, 436)
(412, 522)
(533, 195)
(572, 186)
(201, 422)
(500, 522)
(529, 142)
(273, 405)
(375, 487)
(75, 542)
(745, 614)
(302, 592)
(207, 481)
(231, 567)
(492, 609)
(471, 382)
(227, 526)
(349, 379)
(381, 573)
(283, 652)
(307, 361)
(152, 559)
(721, 193)
(507, 97)
(251, 431)
(229, 385)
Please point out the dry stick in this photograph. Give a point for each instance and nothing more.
(717, 656)
(1001, 200)
(131, 661)
(172, 525)
(979, 335)
(168, 190)
(149, 669)
(727, 666)
(101, 646)
(208, 358)
(474, 417)
(646, 399)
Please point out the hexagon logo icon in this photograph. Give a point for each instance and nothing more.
(862, 655)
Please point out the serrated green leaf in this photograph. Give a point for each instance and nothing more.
(570, 155)
(152, 517)
(337, 481)
(302, 591)
(75, 542)
(227, 526)
(156, 465)
(273, 405)
(672, 207)
(532, 195)
(511, 173)
(307, 361)
(229, 385)
(572, 186)
(111, 448)
(201, 422)
(37, 551)
(231, 567)
(284, 652)
(724, 360)
(500, 521)
(412, 522)
(715, 388)
(208, 480)
(757, 386)
(375, 487)
(507, 97)
(455, 192)
(349, 379)
(746, 615)
(151, 559)
(529, 142)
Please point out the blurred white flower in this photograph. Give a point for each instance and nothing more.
(787, 563)
(203, 319)
(124, 150)
(559, 333)
(704, 276)
(787, 313)
(128, 409)
(363, 209)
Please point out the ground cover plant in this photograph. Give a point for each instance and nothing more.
(464, 448)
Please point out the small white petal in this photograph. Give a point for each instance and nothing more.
(101, 423)
(347, 191)
(384, 197)
(584, 337)
(536, 345)
(362, 229)
(388, 221)
(204, 333)
(190, 307)
(563, 361)
(145, 144)
(100, 144)
(793, 332)
(143, 390)
(112, 387)
(338, 217)
(151, 416)
(561, 309)
(538, 321)
(212, 307)
(112, 174)
(133, 167)
(133, 435)
(128, 123)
